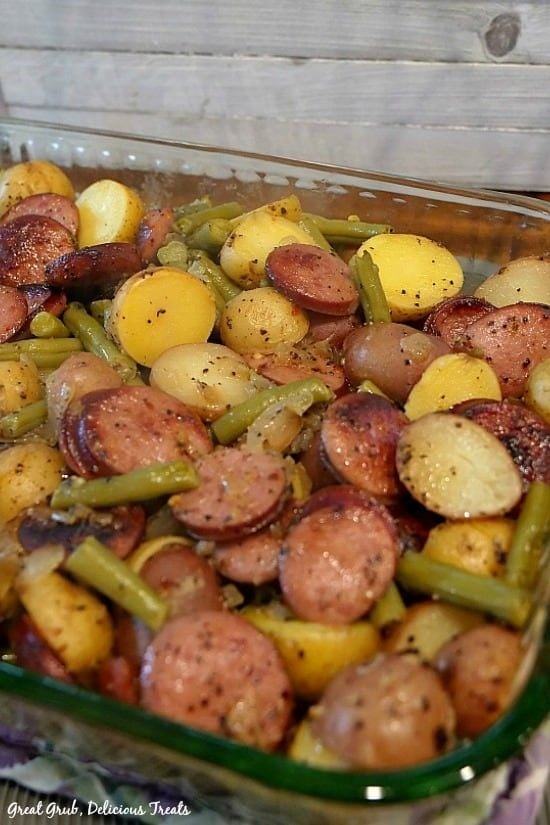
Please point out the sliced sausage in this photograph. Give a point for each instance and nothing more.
(76, 456)
(285, 366)
(118, 679)
(132, 636)
(513, 340)
(239, 492)
(184, 579)
(130, 427)
(40, 297)
(450, 319)
(56, 303)
(313, 278)
(216, 672)
(525, 434)
(94, 267)
(359, 436)
(331, 329)
(13, 312)
(413, 524)
(478, 669)
(33, 653)
(58, 207)
(80, 374)
(250, 560)
(27, 245)
(337, 561)
(337, 496)
(153, 229)
(120, 528)
(387, 713)
(315, 465)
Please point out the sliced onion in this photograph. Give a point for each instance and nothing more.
(41, 562)
(275, 429)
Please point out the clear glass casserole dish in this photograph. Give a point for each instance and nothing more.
(484, 229)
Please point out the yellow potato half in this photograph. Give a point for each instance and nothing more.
(19, 385)
(109, 212)
(538, 390)
(525, 279)
(427, 626)
(478, 546)
(29, 473)
(33, 177)
(258, 320)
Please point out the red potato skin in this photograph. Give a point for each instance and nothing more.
(216, 672)
(296, 365)
(330, 329)
(27, 245)
(94, 267)
(33, 653)
(251, 560)
(80, 374)
(57, 207)
(451, 318)
(152, 231)
(13, 312)
(118, 679)
(185, 580)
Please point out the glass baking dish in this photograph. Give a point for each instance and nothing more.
(484, 229)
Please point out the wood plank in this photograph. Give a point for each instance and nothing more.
(467, 157)
(354, 91)
(457, 30)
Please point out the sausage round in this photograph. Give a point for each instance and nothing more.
(513, 340)
(13, 312)
(57, 207)
(130, 427)
(478, 669)
(315, 465)
(239, 492)
(27, 245)
(337, 496)
(184, 579)
(94, 267)
(152, 231)
(80, 374)
(41, 297)
(313, 278)
(337, 561)
(388, 713)
(296, 364)
(132, 636)
(216, 672)
(359, 436)
(117, 678)
(75, 453)
(331, 329)
(450, 319)
(33, 653)
(250, 560)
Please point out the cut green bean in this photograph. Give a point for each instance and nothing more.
(94, 339)
(358, 231)
(530, 537)
(303, 393)
(312, 229)
(42, 360)
(390, 608)
(24, 420)
(202, 265)
(98, 567)
(173, 254)
(139, 485)
(484, 593)
(100, 310)
(192, 221)
(198, 205)
(210, 237)
(46, 325)
(371, 294)
(41, 346)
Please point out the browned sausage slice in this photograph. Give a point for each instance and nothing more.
(315, 465)
(450, 319)
(94, 267)
(359, 436)
(27, 245)
(184, 579)
(216, 672)
(513, 340)
(132, 636)
(59, 208)
(337, 561)
(56, 303)
(76, 457)
(130, 427)
(36, 296)
(525, 435)
(330, 328)
(251, 560)
(239, 492)
(80, 374)
(33, 652)
(313, 278)
(336, 496)
(152, 231)
(387, 713)
(117, 678)
(13, 312)
(293, 364)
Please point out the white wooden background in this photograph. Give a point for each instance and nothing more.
(456, 91)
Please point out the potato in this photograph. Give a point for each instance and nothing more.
(109, 212)
(10, 565)
(427, 626)
(73, 621)
(416, 273)
(288, 207)
(456, 468)
(29, 473)
(449, 380)
(32, 178)
(244, 253)
(525, 279)
(260, 319)
(209, 378)
(306, 747)
(478, 546)
(158, 309)
(19, 385)
(314, 653)
(538, 390)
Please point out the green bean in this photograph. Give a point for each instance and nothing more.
(46, 325)
(484, 593)
(312, 229)
(173, 254)
(371, 294)
(95, 340)
(370, 386)
(211, 236)
(235, 422)
(201, 264)
(100, 310)
(389, 608)
(356, 230)
(98, 567)
(24, 420)
(531, 533)
(40, 346)
(196, 219)
(139, 485)
(198, 205)
(42, 360)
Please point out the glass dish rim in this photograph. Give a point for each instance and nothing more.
(500, 742)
